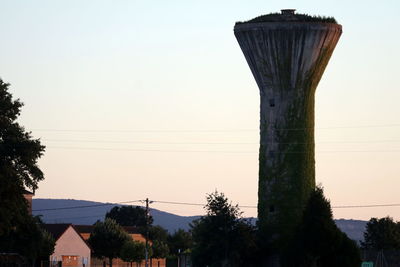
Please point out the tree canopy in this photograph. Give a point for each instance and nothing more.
(318, 241)
(158, 236)
(180, 240)
(381, 234)
(129, 216)
(222, 238)
(19, 154)
(133, 251)
(108, 238)
(29, 240)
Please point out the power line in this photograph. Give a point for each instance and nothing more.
(88, 206)
(211, 143)
(199, 204)
(248, 206)
(366, 206)
(149, 143)
(212, 130)
(220, 151)
(178, 203)
(190, 204)
(341, 127)
(147, 150)
(142, 131)
(79, 217)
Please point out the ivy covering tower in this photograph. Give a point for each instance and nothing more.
(287, 54)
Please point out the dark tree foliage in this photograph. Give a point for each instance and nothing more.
(222, 238)
(158, 237)
(107, 239)
(381, 234)
(278, 17)
(159, 249)
(318, 241)
(129, 216)
(29, 240)
(19, 153)
(181, 241)
(158, 233)
(19, 232)
(47, 245)
(133, 251)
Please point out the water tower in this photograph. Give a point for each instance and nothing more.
(287, 54)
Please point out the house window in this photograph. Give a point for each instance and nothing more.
(272, 208)
(272, 102)
(69, 260)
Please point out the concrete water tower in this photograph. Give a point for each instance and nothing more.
(287, 54)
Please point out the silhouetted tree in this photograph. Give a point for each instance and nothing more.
(129, 216)
(222, 238)
(159, 233)
(19, 232)
(28, 239)
(158, 237)
(318, 241)
(19, 153)
(159, 249)
(179, 240)
(107, 239)
(133, 251)
(381, 234)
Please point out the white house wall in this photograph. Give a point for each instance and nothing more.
(71, 244)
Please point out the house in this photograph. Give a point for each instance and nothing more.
(70, 249)
(86, 230)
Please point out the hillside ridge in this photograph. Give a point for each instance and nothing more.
(50, 211)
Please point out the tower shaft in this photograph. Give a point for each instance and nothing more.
(287, 60)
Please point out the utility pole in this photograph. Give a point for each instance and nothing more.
(147, 234)
(179, 256)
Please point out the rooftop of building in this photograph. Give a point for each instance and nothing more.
(289, 15)
(89, 229)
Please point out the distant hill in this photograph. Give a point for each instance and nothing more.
(88, 212)
(353, 228)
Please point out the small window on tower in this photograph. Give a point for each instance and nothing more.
(272, 208)
(271, 154)
(272, 102)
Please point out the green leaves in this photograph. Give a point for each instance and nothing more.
(28, 239)
(108, 238)
(180, 240)
(129, 216)
(318, 241)
(222, 238)
(18, 163)
(133, 251)
(381, 234)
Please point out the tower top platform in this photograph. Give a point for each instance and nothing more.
(289, 15)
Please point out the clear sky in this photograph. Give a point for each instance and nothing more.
(137, 99)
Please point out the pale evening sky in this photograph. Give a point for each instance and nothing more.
(137, 99)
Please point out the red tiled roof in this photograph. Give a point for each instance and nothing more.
(131, 229)
(80, 228)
